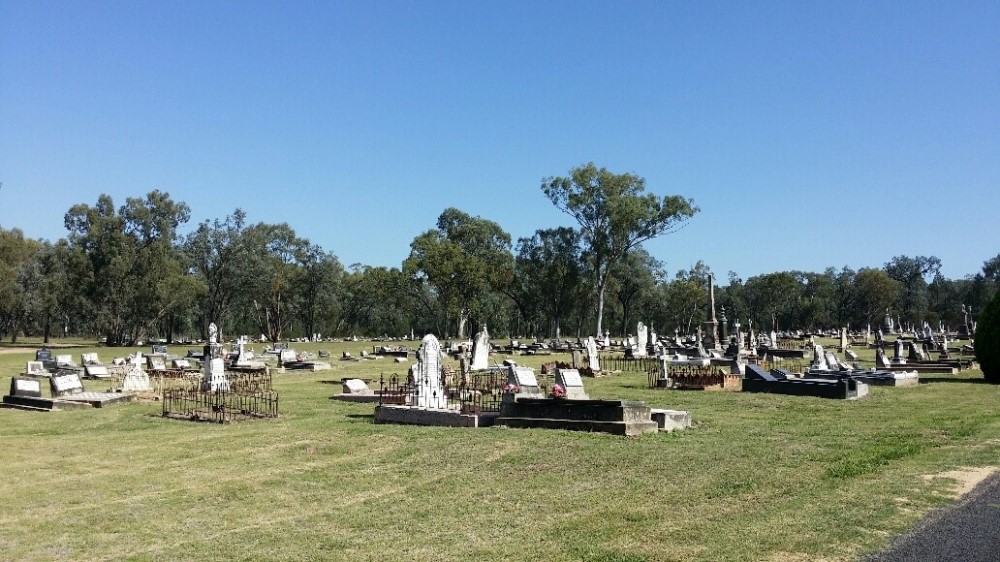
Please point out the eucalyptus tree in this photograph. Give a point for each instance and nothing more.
(462, 259)
(548, 275)
(913, 275)
(633, 282)
(875, 291)
(615, 215)
(773, 296)
(18, 275)
(128, 253)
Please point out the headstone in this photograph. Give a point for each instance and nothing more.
(592, 359)
(355, 386)
(642, 340)
(156, 362)
(819, 358)
(898, 352)
(851, 356)
(481, 350)
(774, 339)
(213, 368)
(287, 356)
(524, 379)
(30, 388)
(43, 354)
(64, 384)
(428, 391)
(881, 361)
(831, 362)
(136, 380)
(64, 360)
(89, 359)
(35, 368)
(607, 339)
(181, 363)
(843, 338)
(570, 380)
(159, 349)
(96, 372)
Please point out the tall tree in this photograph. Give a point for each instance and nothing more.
(462, 258)
(634, 279)
(913, 274)
(128, 252)
(615, 214)
(774, 296)
(548, 274)
(875, 291)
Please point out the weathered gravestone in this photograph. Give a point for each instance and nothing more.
(355, 386)
(642, 340)
(592, 359)
(428, 392)
(158, 349)
(481, 350)
(214, 368)
(64, 361)
(881, 361)
(136, 380)
(30, 388)
(35, 368)
(570, 380)
(65, 384)
(156, 362)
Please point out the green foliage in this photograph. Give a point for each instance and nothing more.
(988, 341)
(615, 215)
(463, 258)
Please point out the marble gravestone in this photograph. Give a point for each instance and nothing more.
(30, 388)
(35, 368)
(881, 361)
(355, 386)
(571, 381)
(481, 351)
(524, 378)
(65, 384)
(214, 368)
(642, 340)
(136, 380)
(428, 392)
(592, 359)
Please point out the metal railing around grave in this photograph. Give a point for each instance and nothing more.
(693, 374)
(628, 364)
(219, 406)
(481, 393)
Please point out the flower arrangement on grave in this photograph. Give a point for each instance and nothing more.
(558, 391)
(511, 388)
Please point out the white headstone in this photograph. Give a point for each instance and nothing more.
(66, 360)
(428, 391)
(642, 340)
(35, 368)
(136, 380)
(89, 359)
(355, 386)
(595, 363)
(570, 380)
(63, 384)
(481, 351)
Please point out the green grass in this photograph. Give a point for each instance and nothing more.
(758, 477)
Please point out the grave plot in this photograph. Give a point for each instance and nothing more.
(781, 382)
(218, 395)
(693, 374)
(66, 392)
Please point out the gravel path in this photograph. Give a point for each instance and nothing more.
(968, 531)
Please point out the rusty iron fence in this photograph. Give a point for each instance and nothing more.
(219, 406)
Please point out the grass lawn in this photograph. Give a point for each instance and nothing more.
(758, 477)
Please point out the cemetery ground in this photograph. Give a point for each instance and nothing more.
(757, 477)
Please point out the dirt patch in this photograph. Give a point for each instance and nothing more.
(966, 478)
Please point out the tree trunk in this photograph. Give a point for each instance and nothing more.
(600, 306)
(463, 317)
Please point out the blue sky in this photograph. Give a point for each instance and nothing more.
(810, 134)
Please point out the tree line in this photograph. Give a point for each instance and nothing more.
(129, 273)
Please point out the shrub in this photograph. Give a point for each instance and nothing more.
(988, 340)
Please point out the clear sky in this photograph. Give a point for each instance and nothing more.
(810, 134)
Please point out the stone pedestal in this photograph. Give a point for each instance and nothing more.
(213, 369)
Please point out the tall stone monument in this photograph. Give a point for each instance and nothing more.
(428, 392)
(595, 363)
(711, 332)
(481, 350)
(213, 367)
(642, 340)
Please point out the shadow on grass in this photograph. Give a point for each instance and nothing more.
(929, 380)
